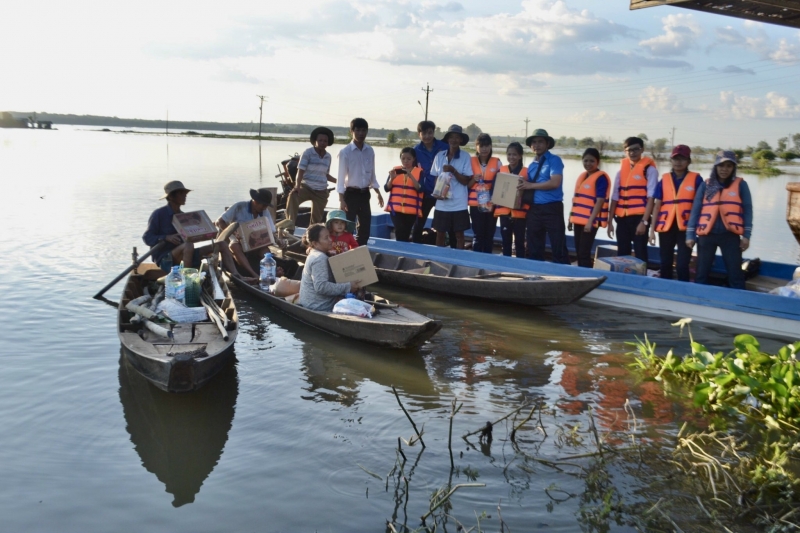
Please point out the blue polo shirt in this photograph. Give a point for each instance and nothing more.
(551, 165)
(425, 160)
(158, 228)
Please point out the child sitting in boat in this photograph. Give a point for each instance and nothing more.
(674, 197)
(405, 196)
(722, 215)
(317, 291)
(341, 232)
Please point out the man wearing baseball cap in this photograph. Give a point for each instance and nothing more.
(673, 199)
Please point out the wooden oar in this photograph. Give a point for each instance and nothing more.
(135, 264)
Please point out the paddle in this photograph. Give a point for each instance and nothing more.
(135, 264)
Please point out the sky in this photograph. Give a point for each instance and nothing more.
(582, 68)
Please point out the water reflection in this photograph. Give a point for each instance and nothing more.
(179, 437)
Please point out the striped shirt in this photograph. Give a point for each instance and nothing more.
(315, 168)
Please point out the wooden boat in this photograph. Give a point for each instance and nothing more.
(480, 283)
(392, 327)
(193, 354)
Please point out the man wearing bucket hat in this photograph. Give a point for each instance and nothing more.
(341, 232)
(160, 228)
(244, 211)
(451, 212)
(545, 217)
(313, 175)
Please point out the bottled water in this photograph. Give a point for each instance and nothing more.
(175, 285)
(267, 274)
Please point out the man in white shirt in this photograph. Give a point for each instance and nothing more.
(451, 213)
(356, 178)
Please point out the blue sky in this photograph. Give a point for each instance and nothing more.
(579, 68)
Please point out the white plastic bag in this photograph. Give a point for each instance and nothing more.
(178, 312)
(790, 290)
(353, 307)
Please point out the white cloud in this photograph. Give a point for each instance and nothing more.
(757, 40)
(681, 33)
(733, 69)
(773, 106)
(517, 85)
(786, 52)
(660, 99)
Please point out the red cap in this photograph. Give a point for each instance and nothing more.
(681, 150)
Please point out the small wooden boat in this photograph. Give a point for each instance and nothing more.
(191, 353)
(457, 280)
(392, 327)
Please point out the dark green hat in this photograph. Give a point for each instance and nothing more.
(541, 133)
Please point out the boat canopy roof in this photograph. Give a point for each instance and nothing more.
(781, 12)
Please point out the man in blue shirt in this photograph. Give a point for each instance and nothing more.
(545, 216)
(426, 150)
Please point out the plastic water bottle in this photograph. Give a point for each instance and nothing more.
(175, 285)
(267, 275)
(349, 295)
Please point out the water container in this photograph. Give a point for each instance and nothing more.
(175, 285)
(267, 275)
(349, 295)
(796, 273)
(166, 262)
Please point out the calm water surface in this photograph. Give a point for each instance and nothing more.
(275, 442)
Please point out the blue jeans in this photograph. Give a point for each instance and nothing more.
(541, 222)
(513, 228)
(728, 244)
(483, 226)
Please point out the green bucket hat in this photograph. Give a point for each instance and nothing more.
(540, 133)
(338, 214)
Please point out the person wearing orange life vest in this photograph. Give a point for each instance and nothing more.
(484, 171)
(672, 206)
(405, 194)
(512, 221)
(722, 215)
(589, 206)
(632, 199)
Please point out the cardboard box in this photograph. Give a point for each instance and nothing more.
(194, 226)
(605, 250)
(505, 191)
(257, 233)
(354, 265)
(627, 264)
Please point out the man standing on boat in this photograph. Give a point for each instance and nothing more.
(426, 150)
(161, 229)
(244, 211)
(452, 212)
(313, 175)
(356, 178)
(545, 217)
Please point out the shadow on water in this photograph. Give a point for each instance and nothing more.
(179, 437)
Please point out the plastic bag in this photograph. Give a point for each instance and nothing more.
(790, 290)
(441, 190)
(178, 312)
(353, 307)
(484, 196)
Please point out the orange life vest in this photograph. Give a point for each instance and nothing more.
(403, 197)
(727, 202)
(505, 211)
(488, 174)
(585, 198)
(633, 187)
(676, 206)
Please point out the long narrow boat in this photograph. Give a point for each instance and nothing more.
(192, 355)
(482, 283)
(392, 327)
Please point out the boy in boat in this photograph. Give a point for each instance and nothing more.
(244, 211)
(160, 229)
(356, 178)
(426, 150)
(451, 212)
(313, 175)
(341, 231)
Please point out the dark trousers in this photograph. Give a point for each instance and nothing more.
(547, 221)
(626, 233)
(666, 244)
(728, 244)
(513, 228)
(403, 223)
(428, 202)
(583, 245)
(357, 202)
(483, 226)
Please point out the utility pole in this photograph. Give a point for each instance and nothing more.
(673, 136)
(427, 92)
(260, 108)
(526, 127)
(167, 121)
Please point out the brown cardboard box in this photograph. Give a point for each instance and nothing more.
(354, 265)
(194, 226)
(256, 233)
(505, 191)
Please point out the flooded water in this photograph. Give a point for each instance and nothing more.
(287, 438)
